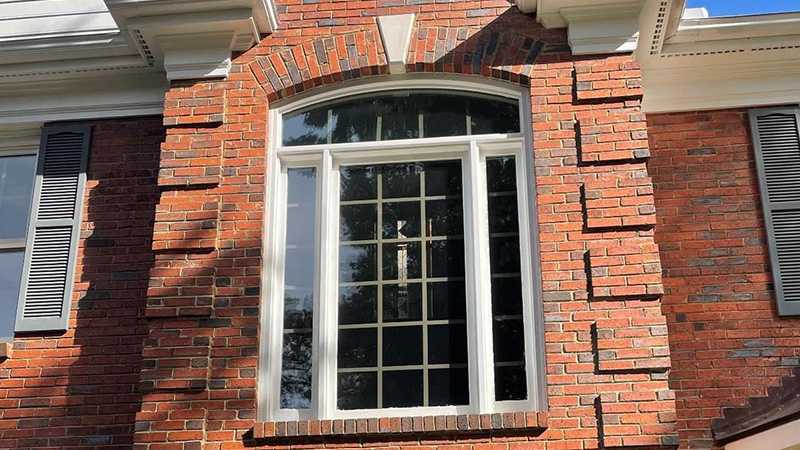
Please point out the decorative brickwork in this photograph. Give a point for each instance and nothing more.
(633, 340)
(612, 77)
(626, 269)
(620, 201)
(614, 135)
(728, 343)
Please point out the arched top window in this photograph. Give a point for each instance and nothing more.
(401, 114)
(400, 261)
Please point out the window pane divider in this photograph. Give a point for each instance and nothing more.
(478, 288)
(12, 244)
(325, 341)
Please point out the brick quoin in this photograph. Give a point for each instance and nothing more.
(728, 343)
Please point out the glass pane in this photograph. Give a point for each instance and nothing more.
(399, 115)
(504, 254)
(296, 371)
(503, 214)
(358, 348)
(402, 302)
(401, 220)
(444, 217)
(306, 128)
(358, 304)
(358, 222)
(509, 383)
(10, 277)
(448, 387)
(357, 390)
(401, 261)
(402, 346)
(298, 295)
(447, 300)
(402, 388)
(506, 295)
(358, 262)
(444, 115)
(446, 258)
(443, 178)
(492, 116)
(447, 344)
(501, 175)
(354, 121)
(358, 183)
(509, 340)
(504, 258)
(16, 186)
(401, 180)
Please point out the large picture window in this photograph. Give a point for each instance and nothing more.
(400, 259)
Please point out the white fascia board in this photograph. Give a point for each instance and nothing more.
(136, 94)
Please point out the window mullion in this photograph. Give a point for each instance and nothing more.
(479, 312)
(325, 337)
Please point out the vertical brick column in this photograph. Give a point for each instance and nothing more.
(202, 303)
(608, 354)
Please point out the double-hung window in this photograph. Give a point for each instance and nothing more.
(400, 264)
(17, 174)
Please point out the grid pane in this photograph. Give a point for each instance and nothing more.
(504, 257)
(16, 186)
(298, 295)
(415, 268)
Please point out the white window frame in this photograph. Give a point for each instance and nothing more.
(472, 151)
(20, 140)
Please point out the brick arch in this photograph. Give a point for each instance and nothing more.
(491, 52)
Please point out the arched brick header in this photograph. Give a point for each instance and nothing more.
(492, 52)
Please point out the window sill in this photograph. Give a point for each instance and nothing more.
(315, 430)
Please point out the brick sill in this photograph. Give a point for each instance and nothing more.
(304, 430)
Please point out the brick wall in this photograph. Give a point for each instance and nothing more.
(78, 389)
(727, 342)
(194, 352)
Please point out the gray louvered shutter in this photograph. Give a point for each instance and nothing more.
(776, 135)
(51, 250)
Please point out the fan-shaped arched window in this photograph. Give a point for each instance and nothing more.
(402, 114)
(400, 275)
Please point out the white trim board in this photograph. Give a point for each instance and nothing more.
(90, 98)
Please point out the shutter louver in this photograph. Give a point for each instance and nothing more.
(776, 134)
(53, 233)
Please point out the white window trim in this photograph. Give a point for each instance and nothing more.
(327, 158)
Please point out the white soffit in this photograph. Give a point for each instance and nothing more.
(593, 26)
(396, 36)
(694, 62)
